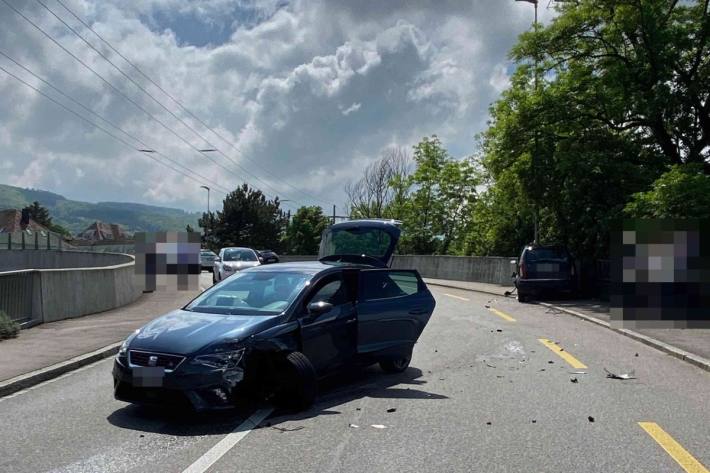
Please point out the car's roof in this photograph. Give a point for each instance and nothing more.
(237, 248)
(309, 267)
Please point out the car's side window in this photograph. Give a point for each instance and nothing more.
(388, 284)
(332, 291)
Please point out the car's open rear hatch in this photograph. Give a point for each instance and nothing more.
(370, 242)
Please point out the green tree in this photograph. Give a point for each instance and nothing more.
(682, 192)
(39, 214)
(423, 216)
(247, 219)
(304, 232)
(622, 96)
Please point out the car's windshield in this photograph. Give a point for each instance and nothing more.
(251, 293)
(239, 255)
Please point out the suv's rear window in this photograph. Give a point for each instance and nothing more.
(538, 254)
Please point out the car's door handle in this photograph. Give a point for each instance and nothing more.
(418, 311)
(351, 321)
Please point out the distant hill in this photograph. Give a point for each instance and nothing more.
(75, 216)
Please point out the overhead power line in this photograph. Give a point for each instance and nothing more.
(104, 130)
(118, 91)
(154, 99)
(180, 105)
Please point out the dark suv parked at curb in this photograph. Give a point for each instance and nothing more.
(544, 270)
(272, 331)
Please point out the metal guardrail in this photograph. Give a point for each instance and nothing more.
(16, 299)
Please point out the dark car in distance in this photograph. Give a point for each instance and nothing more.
(273, 331)
(268, 256)
(544, 270)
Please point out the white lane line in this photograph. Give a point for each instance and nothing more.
(223, 446)
(457, 297)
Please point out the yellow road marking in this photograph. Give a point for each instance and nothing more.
(572, 361)
(457, 297)
(674, 449)
(502, 315)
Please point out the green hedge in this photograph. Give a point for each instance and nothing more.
(8, 327)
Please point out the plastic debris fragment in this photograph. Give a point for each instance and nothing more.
(629, 375)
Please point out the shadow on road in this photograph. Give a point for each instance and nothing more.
(334, 391)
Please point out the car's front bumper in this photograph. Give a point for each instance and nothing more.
(200, 388)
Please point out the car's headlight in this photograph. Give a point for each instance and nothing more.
(123, 350)
(222, 360)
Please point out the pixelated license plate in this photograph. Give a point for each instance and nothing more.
(148, 376)
(547, 267)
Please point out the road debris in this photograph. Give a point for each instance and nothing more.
(284, 429)
(534, 421)
(354, 426)
(488, 423)
(574, 380)
(629, 375)
(489, 365)
(636, 354)
(392, 409)
(487, 306)
(590, 419)
(577, 372)
(498, 330)
(378, 426)
(551, 362)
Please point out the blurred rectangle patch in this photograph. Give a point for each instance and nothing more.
(168, 260)
(660, 274)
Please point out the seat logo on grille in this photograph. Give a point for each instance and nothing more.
(152, 360)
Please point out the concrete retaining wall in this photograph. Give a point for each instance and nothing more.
(11, 260)
(61, 293)
(486, 269)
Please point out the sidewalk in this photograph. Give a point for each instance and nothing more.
(692, 345)
(48, 344)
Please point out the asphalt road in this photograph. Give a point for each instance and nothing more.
(483, 394)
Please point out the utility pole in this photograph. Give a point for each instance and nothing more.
(536, 209)
(209, 218)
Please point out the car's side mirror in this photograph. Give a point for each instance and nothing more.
(217, 259)
(319, 307)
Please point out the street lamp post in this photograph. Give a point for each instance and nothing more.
(536, 214)
(209, 218)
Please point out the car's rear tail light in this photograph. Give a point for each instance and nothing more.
(523, 271)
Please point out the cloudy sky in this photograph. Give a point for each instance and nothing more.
(302, 95)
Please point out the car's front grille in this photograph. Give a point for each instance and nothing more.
(143, 358)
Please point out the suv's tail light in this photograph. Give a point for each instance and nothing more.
(523, 270)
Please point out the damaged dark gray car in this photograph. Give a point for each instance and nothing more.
(273, 331)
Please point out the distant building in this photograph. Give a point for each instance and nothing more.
(11, 222)
(100, 231)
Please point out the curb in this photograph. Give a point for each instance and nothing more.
(696, 360)
(452, 286)
(36, 377)
(691, 358)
